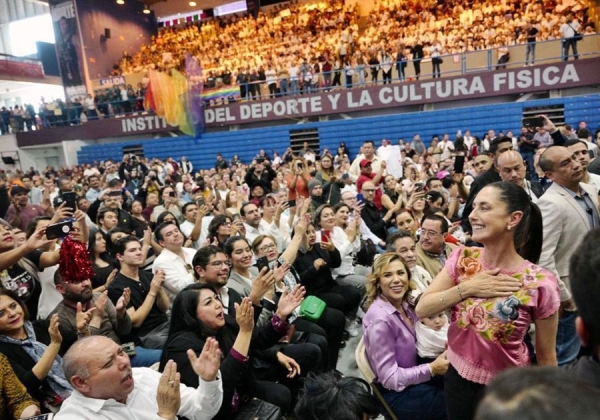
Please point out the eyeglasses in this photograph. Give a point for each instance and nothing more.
(429, 233)
(226, 224)
(220, 263)
(267, 248)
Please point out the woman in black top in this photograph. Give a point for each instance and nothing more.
(104, 266)
(198, 315)
(314, 264)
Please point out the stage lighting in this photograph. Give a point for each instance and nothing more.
(120, 1)
(146, 10)
(193, 3)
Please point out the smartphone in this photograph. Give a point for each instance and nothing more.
(325, 235)
(59, 230)
(532, 122)
(172, 194)
(459, 164)
(360, 197)
(300, 166)
(262, 262)
(115, 194)
(419, 187)
(47, 416)
(71, 199)
(292, 203)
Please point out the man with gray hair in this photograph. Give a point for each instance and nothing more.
(105, 386)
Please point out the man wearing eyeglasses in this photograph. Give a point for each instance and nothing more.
(432, 250)
(175, 259)
(569, 210)
(148, 303)
(372, 216)
(366, 174)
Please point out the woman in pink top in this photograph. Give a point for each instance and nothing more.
(298, 180)
(494, 293)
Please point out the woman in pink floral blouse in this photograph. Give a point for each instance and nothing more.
(494, 294)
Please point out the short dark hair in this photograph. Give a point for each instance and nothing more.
(538, 392)
(121, 245)
(430, 180)
(585, 283)
(330, 396)
(393, 237)
(158, 230)
(186, 205)
(496, 142)
(114, 183)
(371, 142)
(243, 208)
(573, 142)
(103, 212)
(436, 218)
(63, 179)
(202, 257)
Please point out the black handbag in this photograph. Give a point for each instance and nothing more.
(367, 253)
(256, 409)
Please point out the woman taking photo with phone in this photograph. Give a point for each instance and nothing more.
(494, 294)
(298, 179)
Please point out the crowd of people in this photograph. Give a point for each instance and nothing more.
(105, 103)
(300, 48)
(147, 286)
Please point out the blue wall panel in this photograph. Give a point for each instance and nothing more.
(246, 143)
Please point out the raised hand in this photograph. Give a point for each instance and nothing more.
(123, 301)
(167, 393)
(38, 239)
(262, 284)
(319, 262)
(157, 282)
(100, 304)
(244, 315)
(53, 331)
(290, 301)
(207, 365)
(111, 277)
(280, 271)
(290, 364)
(82, 319)
(62, 212)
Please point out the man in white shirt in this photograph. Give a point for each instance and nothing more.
(446, 146)
(367, 151)
(252, 223)
(95, 189)
(580, 152)
(174, 260)
(105, 386)
(193, 224)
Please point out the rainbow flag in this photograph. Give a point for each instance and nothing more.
(231, 91)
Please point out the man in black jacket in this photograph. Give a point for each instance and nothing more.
(511, 167)
(371, 215)
(260, 173)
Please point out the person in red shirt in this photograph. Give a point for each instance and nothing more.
(376, 178)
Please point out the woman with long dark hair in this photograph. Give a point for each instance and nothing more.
(495, 293)
(198, 315)
(103, 265)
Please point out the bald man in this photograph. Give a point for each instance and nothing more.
(105, 386)
(569, 210)
(511, 167)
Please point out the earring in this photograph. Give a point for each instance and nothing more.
(508, 227)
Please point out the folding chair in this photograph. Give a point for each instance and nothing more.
(366, 371)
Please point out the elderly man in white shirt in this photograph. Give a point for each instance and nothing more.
(105, 386)
(175, 260)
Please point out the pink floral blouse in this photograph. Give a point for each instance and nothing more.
(486, 335)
